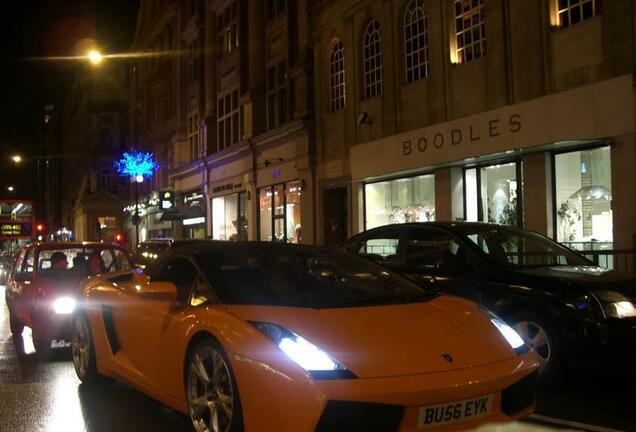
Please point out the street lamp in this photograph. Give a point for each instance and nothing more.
(16, 158)
(10, 188)
(95, 57)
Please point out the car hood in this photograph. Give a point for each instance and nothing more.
(394, 340)
(589, 277)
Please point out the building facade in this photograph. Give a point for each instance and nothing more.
(94, 132)
(508, 112)
(308, 121)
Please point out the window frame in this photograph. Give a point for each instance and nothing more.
(372, 61)
(569, 8)
(227, 117)
(193, 135)
(411, 21)
(337, 77)
(277, 89)
(228, 28)
(460, 58)
(275, 216)
(518, 173)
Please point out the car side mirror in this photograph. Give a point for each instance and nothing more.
(160, 290)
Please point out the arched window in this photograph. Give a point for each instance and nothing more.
(372, 59)
(337, 74)
(415, 42)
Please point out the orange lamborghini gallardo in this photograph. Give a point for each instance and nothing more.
(274, 337)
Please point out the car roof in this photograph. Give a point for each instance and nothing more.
(74, 245)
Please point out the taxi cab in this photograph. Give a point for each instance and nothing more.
(43, 286)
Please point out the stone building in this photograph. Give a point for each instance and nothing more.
(93, 133)
(506, 112)
(311, 120)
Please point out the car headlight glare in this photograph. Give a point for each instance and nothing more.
(64, 305)
(616, 305)
(510, 335)
(305, 354)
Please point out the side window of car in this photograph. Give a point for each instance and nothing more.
(28, 263)
(381, 247)
(181, 273)
(201, 292)
(121, 261)
(17, 269)
(436, 250)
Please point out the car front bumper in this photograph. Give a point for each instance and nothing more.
(282, 403)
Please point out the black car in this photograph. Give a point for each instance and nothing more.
(564, 306)
(146, 253)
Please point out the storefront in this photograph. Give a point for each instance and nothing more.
(229, 215)
(560, 164)
(193, 207)
(279, 212)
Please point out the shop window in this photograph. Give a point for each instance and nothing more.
(493, 194)
(277, 98)
(274, 9)
(583, 195)
(571, 12)
(280, 213)
(228, 120)
(337, 75)
(470, 30)
(227, 28)
(403, 200)
(229, 217)
(193, 136)
(415, 42)
(372, 60)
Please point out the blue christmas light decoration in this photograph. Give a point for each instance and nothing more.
(135, 163)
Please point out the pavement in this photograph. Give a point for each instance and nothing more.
(47, 396)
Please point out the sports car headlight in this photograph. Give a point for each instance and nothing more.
(305, 354)
(616, 305)
(64, 305)
(512, 337)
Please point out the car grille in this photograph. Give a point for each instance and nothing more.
(520, 395)
(360, 416)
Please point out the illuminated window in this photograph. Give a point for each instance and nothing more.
(572, 12)
(372, 58)
(337, 73)
(415, 42)
(277, 99)
(227, 26)
(279, 213)
(470, 30)
(193, 136)
(228, 120)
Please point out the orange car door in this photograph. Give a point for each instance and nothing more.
(145, 319)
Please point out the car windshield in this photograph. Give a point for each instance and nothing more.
(518, 248)
(303, 278)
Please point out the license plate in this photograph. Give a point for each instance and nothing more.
(452, 412)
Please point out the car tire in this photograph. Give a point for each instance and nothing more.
(15, 324)
(83, 350)
(541, 333)
(203, 393)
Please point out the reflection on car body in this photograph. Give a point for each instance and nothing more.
(333, 340)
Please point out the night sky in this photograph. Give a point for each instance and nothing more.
(39, 28)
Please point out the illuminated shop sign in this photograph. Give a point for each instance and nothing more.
(193, 199)
(226, 187)
(167, 200)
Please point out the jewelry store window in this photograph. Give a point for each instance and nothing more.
(403, 200)
(492, 193)
(583, 198)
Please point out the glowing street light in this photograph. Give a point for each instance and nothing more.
(16, 158)
(95, 57)
(10, 188)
